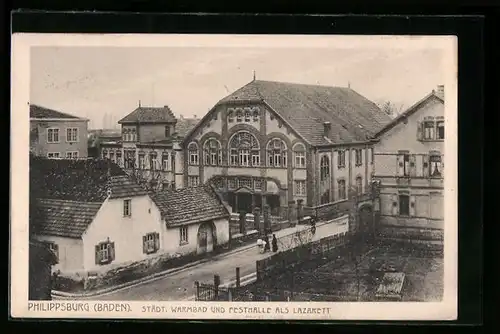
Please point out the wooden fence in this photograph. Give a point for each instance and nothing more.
(307, 252)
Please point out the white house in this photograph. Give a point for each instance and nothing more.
(196, 219)
(95, 218)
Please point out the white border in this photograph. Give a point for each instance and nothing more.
(20, 78)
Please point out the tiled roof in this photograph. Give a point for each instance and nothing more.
(189, 205)
(149, 114)
(77, 180)
(122, 186)
(306, 107)
(415, 107)
(64, 218)
(184, 125)
(37, 111)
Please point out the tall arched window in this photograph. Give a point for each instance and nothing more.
(324, 168)
(193, 153)
(244, 150)
(299, 153)
(212, 151)
(276, 153)
(359, 184)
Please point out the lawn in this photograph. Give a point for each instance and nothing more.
(341, 279)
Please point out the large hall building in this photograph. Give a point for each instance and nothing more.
(274, 142)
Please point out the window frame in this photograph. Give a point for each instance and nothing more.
(193, 154)
(68, 138)
(127, 208)
(400, 205)
(358, 157)
(72, 155)
(183, 237)
(51, 130)
(152, 238)
(105, 247)
(324, 168)
(277, 151)
(341, 159)
(300, 187)
(438, 123)
(53, 153)
(341, 185)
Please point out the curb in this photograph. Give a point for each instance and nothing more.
(160, 275)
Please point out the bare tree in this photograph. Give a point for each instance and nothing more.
(391, 109)
(150, 178)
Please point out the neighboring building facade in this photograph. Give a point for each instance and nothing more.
(409, 163)
(96, 218)
(54, 134)
(274, 143)
(149, 148)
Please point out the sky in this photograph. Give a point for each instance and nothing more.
(91, 81)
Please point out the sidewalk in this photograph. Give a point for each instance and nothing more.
(161, 275)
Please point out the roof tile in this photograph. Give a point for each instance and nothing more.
(37, 111)
(352, 116)
(189, 205)
(149, 114)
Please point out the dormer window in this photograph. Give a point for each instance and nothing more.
(167, 131)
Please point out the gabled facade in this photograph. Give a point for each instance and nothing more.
(149, 148)
(409, 163)
(275, 143)
(55, 134)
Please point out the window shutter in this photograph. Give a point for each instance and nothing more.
(111, 249)
(157, 241)
(413, 165)
(97, 257)
(425, 165)
(144, 248)
(419, 130)
(394, 205)
(413, 206)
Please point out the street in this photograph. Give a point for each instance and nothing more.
(180, 285)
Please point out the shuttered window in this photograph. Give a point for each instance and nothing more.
(104, 253)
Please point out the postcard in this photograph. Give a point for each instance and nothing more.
(290, 177)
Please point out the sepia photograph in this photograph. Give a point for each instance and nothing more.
(238, 177)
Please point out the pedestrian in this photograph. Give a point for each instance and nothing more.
(267, 246)
(313, 225)
(275, 243)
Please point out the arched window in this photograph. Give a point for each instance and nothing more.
(193, 153)
(239, 115)
(212, 151)
(230, 115)
(299, 152)
(324, 169)
(255, 114)
(276, 153)
(359, 184)
(244, 150)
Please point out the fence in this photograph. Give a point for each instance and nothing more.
(307, 252)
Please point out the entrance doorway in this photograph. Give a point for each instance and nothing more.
(244, 202)
(274, 204)
(206, 239)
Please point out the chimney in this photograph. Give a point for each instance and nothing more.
(327, 127)
(440, 91)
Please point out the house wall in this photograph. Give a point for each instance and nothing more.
(152, 132)
(172, 241)
(426, 193)
(40, 146)
(125, 232)
(70, 253)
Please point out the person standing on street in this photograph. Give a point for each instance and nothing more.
(267, 246)
(275, 243)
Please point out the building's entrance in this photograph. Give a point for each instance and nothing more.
(206, 240)
(244, 202)
(274, 204)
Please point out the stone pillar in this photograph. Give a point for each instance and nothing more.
(257, 220)
(300, 210)
(292, 213)
(267, 219)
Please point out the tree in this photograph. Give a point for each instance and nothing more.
(150, 178)
(391, 109)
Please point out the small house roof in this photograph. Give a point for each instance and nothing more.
(189, 205)
(149, 115)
